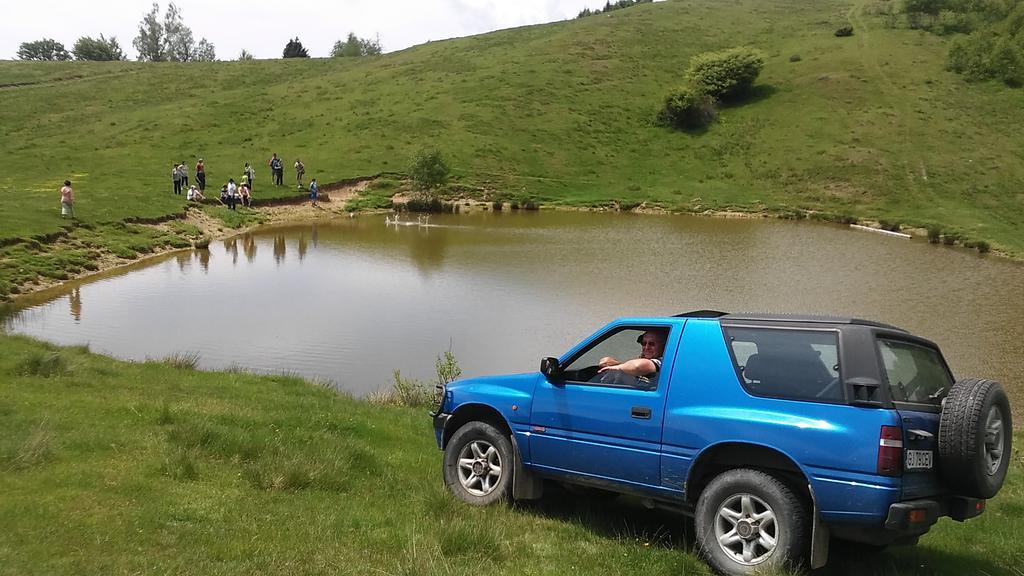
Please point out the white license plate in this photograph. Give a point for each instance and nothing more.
(919, 459)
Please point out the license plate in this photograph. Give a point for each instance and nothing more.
(919, 459)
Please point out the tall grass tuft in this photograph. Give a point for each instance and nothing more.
(182, 360)
(165, 417)
(44, 363)
(35, 450)
(181, 465)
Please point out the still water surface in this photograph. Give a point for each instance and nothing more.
(351, 300)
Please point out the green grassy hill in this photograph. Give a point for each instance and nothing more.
(870, 126)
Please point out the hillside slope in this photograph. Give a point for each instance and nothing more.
(870, 125)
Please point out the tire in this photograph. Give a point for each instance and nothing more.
(478, 464)
(975, 437)
(747, 519)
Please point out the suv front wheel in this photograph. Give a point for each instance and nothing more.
(478, 463)
(747, 519)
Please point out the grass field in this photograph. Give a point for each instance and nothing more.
(869, 126)
(118, 468)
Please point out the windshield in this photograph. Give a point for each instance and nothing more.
(915, 373)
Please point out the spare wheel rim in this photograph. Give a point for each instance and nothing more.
(994, 440)
(746, 529)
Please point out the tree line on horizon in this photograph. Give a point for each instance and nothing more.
(170, 40)
(609, 6)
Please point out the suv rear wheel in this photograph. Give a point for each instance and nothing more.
(478, 463)
(747, 519)
(975, 437)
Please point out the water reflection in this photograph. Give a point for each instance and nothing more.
(249, 247)
(75, 303)
(362, 298)
(204, 259)
(279, 248)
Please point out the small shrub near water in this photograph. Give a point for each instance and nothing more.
(934, 234)
(404, 392)
(416, 393)
(428, 170)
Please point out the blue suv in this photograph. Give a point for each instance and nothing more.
(777, 434)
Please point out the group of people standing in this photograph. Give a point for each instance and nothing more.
(232, 193)
(277, 170)
(277, 175)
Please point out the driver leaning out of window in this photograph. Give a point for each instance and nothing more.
(652, 347)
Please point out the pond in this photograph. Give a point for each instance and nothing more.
(350, 300)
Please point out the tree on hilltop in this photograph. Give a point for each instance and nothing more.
(170, 40)
(98, 49)
(294, 49)
(45, 49)
(150, 41)
(355, 46)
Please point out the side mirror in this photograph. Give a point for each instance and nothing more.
(549, 368)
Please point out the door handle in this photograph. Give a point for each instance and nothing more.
(640, 412)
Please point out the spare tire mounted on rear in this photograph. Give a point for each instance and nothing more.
(975, 437)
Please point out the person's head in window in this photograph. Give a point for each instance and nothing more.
(652, 348)
(652, 344)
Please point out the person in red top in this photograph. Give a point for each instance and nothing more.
(67, 200)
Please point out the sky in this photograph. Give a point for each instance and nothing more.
(263, 27)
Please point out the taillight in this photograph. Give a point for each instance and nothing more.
(890, 451)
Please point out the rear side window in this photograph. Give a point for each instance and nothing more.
(792, 364)
(915, 373)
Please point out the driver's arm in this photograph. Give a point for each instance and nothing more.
(635, 367)
(607, 361)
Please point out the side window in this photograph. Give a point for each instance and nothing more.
(621, 345)
(792, 364)
(915, 373)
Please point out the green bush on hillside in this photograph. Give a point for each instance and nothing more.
(687, 109)
(990, 41)
(726, 74)
(428, 170)
(985, 55)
